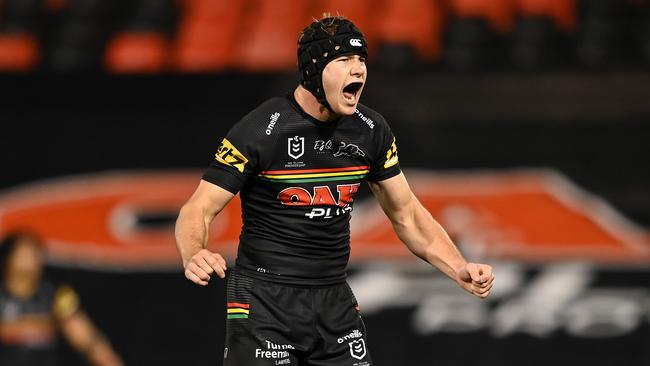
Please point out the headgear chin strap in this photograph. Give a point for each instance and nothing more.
(317, 47)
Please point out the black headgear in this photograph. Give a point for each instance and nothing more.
(317, 47)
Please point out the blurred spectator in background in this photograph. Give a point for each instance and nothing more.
(33, 311)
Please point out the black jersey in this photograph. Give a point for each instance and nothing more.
(297, 178)
(28, 333)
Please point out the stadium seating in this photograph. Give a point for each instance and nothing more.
(499, 15)
(206, 35)
(21, 15)
(19, 52)
(20, 49)
(562, 13)
(153, 15)
(143, 53)
(268, 38)
(409, 25)
(539, 39)
(475, 34)
(56, 5)
(142, 45)
(644, 40)
(599, 41)
(78, 40)
(260, 35)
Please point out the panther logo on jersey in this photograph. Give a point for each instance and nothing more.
(349, 150)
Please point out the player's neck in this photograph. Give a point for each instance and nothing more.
(20, 286)
(308, 102)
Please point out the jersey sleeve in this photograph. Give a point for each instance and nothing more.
(66, 302)
(235, 160)
(385, 163)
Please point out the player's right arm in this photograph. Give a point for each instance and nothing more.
(235, 162)
(192, 232)
(80, 331)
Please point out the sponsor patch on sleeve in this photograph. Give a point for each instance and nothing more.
(391, 155)
(66, 302)
(228, 154)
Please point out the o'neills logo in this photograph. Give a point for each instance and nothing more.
(354, 334)
(273, 120)
(367, 120)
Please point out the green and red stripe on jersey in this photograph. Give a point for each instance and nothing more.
(315, 175)
(238, 310)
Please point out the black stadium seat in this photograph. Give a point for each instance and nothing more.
(76, 47)
(21, 15)
(153, 15)
(471, 45)
(536, 43)
(96, 10)
(644, 38)
(600, 35)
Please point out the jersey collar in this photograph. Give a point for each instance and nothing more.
(309, 117)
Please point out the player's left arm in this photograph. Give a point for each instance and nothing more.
(426, 238)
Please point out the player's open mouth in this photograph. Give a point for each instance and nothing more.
(351, 91)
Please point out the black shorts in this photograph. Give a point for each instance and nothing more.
(271, 324)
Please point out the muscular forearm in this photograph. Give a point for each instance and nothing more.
(191, 231)
(427, 239)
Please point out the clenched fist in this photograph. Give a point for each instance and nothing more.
(476, 279)
(203, 264)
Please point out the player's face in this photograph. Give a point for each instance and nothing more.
(343, 81)
(26, 260)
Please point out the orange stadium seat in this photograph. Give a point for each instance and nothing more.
(358, 11)
(270, 38)
(136, 53)
(562, 12)
(207, 34)
(499, 14)
(18, 52)
(418, 23)
(215, 10)
(56, 5)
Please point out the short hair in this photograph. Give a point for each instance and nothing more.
(327, 22)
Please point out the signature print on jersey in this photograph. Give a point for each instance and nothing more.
(322, 145)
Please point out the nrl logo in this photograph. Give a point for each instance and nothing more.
(358, 349)
(349, 150)
(296, 146)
